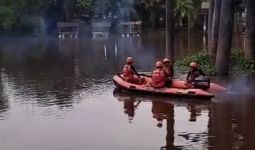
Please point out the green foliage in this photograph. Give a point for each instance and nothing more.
(21, 7)
(85, 4)
(201, 58)
(184, 9)
(239, 64)
(20, 14)
(7, 17)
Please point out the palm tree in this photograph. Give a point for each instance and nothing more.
(225, 37)
(250, 30)
(184, 9)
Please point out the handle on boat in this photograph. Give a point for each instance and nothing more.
(146, 75)
(140, 74)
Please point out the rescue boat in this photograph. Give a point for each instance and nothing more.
(177, 89)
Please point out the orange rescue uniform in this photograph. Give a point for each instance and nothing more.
(158, 78)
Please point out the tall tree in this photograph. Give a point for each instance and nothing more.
(67, 5)
(225, 37)
(250, 30)
(210, 18)
(127, 10)
(151, 7)
(22, 15)
(215, 29)
(170, 30)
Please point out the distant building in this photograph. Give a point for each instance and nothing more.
(68, 29)
(132, 28)
(101, 28)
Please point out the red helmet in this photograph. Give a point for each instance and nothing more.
(193, 65)
(166, 60)
(130, 60)
(159, 64)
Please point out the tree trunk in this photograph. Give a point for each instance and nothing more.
(250, 30)
(225, 37)
(153, 18)
(210, 18)
(188, 35)
(68, 9)
(170, 30)
(215, 29)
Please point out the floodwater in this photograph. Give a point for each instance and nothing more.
(59, 95)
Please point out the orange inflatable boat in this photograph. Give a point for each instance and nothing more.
(178, 88)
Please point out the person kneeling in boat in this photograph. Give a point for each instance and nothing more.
(168, 68)
(129, 73)
(159, 76)
(196, 76)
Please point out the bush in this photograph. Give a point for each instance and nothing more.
(201, 58)
(239, 64)
(7, 18)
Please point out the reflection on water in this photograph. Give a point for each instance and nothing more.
(58, 94)
(4, 105)
(198, 125)
(185, 123)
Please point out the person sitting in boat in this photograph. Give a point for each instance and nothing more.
(129, 73)
(159, 76)
(194, 73)
(168, 68)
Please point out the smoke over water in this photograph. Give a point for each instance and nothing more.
(240, 85)
(127, 11)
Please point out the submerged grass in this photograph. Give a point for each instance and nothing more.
(239, 65)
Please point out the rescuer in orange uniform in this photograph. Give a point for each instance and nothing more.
(168, 68)
(129, 73)
(159, 76)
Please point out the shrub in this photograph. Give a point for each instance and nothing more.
(239, 64)
(201, 58)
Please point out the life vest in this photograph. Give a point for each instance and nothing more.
(168, 70)
(158, 78)
(128, 73)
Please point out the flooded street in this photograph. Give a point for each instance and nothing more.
(58, 94)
